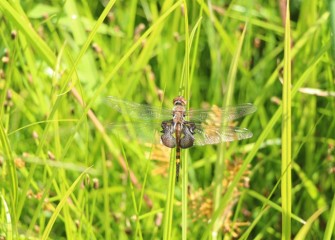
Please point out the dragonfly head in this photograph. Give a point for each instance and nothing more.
(179, 101)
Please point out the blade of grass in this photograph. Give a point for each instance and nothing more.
(302, 234)
(195, 34)
(267, 201)
(286, 168)
(60, 205)
(219, 166)
(106, 199)
(332, 24)
(168, 211)
(9, 229)
(186, 82)
(331, 222)
(11, 176)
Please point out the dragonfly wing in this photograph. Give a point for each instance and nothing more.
(138, 111)
(147, 132)
(221, 114)
(215, 135)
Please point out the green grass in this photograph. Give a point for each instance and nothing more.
(286, 167)
(64, 175)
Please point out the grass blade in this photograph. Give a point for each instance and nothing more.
(11, 175)
(9, 228)
(219, 168)
(331, 222)
(60, 205)
(286, 168)
(168, 212)
(186, 76)
(302, 234)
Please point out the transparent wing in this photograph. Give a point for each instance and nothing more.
(138, 111)
(208, 122)
(144, 132)
(146, 112)
(221, 114)
(150, 133)
(214, 135)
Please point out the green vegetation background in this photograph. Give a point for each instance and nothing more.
(63, 175)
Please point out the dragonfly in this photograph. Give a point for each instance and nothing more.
(181, 128)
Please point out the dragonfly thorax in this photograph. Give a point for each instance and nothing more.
(177, 134)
